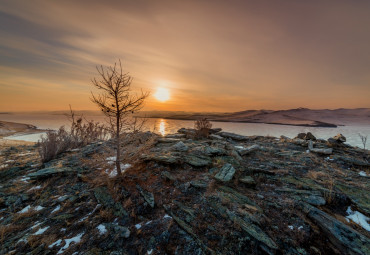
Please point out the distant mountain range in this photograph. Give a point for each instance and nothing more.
(295, 117)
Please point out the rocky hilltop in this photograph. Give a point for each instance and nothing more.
(225, 194)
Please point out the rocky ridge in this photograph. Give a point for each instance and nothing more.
(226, 194)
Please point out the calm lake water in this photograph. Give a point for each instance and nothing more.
(163, 126)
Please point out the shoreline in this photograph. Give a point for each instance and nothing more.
(8, 129)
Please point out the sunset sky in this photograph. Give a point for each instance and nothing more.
(209, 55)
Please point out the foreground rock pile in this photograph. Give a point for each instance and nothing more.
(227, 194)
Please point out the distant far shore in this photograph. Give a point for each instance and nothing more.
(312, 124)
(12, 128)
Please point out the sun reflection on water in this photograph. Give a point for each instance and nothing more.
(162, 127)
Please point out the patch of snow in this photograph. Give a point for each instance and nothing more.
(9, 161)
(34, 188)
(36, 225)
(41, 230)
(25, 179)
(239, 147)
(39, 208)
(55, 209)
(102, 229)
(291, 227)
(26, 209)
(69, 241)
(300, 227)
(148, 222)
(1, 218)
(56, 243)
(138, 226)
(62, 198)
(359, 218)
(307, 151)
(113, 173)
(166, 216)
(362, 173)
(82, 219)
(4, 165)
(150, 252)
(111, 160)
(25, 154)
(63, 230)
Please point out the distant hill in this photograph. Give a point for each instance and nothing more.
(295, 117)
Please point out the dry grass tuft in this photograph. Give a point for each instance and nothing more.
(202, 128)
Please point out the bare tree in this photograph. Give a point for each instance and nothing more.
(116, 101)
(363, 140)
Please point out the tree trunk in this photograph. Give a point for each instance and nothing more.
(118, 150)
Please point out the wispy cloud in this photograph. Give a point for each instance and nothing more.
(212, 55)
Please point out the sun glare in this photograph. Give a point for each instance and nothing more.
(162, 94)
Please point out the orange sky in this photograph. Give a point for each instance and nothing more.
(210, 55)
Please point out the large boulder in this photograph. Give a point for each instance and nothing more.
(342, 236)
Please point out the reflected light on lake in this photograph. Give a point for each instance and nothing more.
(162, 127)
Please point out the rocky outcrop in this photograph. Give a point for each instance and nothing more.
(226, 194)
(343, 237)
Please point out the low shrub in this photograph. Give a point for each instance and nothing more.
(202, 128)
(80, 134)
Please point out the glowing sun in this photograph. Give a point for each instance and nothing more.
(162, 94)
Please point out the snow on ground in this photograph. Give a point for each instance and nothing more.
(56, 243)
(36, 224)
(102, 229)
(39, 208)
(62, 198)
(26, 209)
(55, 209)
(167, 216)
(138, 226)
(34, 188)
(41, 230)
(111, 160)
(359, 218)
(24, 179)
(113, 173)
(291, 227)
(3, 165)
(69, 241)
(25, 154)
(150, 252)
(362, 173)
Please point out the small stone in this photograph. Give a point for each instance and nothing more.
(226, 173)
(248, 180)
(310, 136)
(233, 136)
(215, 137)
(244, 151)
(340, 138)
(301, 136)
